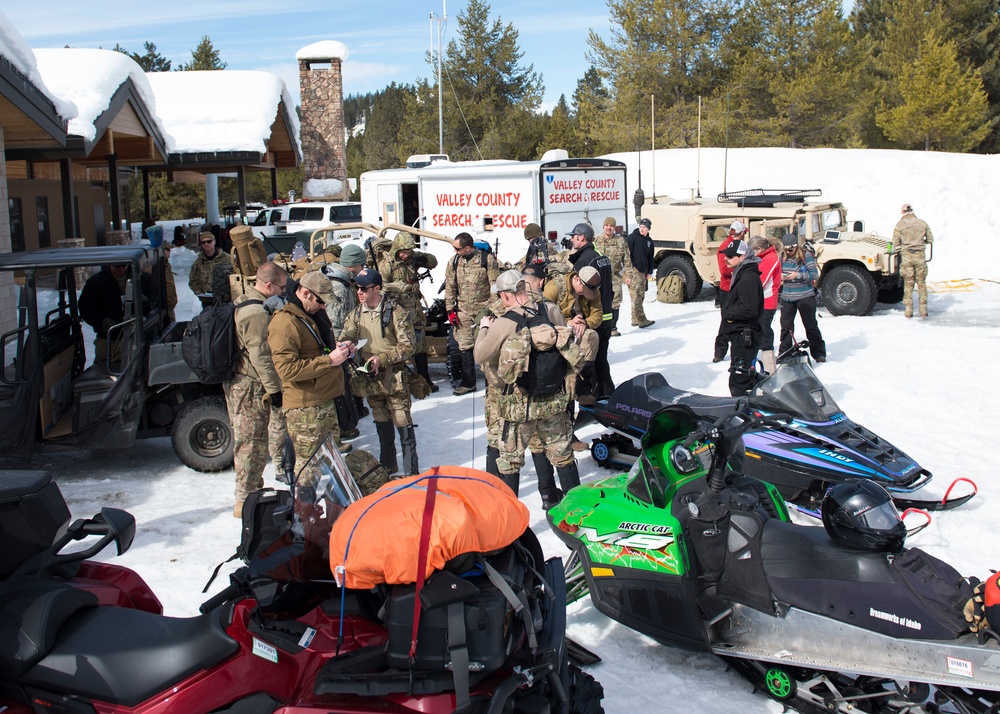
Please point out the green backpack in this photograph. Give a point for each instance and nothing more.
(670, 289)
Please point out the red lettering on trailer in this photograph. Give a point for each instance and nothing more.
(510, 198)
(452, 200)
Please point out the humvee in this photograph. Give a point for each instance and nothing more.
(50, 398)
(857, 268)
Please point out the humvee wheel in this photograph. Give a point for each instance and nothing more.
(682, 266)
(849, 290)
(202, 436)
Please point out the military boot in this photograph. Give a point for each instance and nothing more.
(546, 481)
(512, 480)
(468, 384)
(408, 443)
(492, 454)
(569, 476)
(387, 446)
(420, 363)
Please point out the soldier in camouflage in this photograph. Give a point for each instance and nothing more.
(385, 382)
(400, 269)
(638, 270)
(909, 238)
(308, 362)
(539, 422)
(253, 395)
(611, 244)
(467, 281)
(211, 260)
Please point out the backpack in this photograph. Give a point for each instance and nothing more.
(209, 342)
(670, 289)
(369, 473)
(530, 358)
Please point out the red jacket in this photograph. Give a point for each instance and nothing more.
(725, 272)
(770, 276)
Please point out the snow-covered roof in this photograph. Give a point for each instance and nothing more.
(323, 50)
(221, 110)
(19, 54)
(90, 78)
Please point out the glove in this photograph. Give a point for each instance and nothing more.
(420, 261)
(453, 318)
(275, 400)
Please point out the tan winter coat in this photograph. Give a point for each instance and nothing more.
(573, 304)
(251, 337)
(308, 377)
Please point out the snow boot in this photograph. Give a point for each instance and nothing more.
(569, 476)
(512, 480)
(408, 443)
(546, 481)
(420, 364)
(492, 454)
(386, 446)
(468, 384)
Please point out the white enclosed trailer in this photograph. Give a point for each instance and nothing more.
(469, 196)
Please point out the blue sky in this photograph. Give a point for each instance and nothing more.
(387, 39)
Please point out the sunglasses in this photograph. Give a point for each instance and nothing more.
(364, 290)
(206, 242)
(316, 297)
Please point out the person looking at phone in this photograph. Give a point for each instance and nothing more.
(799, 274)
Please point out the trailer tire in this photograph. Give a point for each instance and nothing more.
(202, 436)
(683, 266)
(849, 290)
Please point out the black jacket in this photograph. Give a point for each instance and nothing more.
(588, 255)
(101, 299)
(745, 300)
(640, 247)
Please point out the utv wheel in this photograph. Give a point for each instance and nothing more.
(681, 265)
(202, 436)
(849, 290)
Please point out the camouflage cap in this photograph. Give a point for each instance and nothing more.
(532, 230)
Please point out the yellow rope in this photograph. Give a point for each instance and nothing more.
(962, 285)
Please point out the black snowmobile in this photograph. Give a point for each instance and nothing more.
(839, 618)
(820, 447)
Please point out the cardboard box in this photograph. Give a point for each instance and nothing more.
(57, 393)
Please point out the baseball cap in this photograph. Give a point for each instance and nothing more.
(532, 230)
(352, 255)
(591, 280)
(907, 208)
(737, 227)
(789, 240)
(536, 270)
(318, 283)
(509, 281)
(367, 277)
(646, 222)
(610, 221)
(582, 229)
(737, 247)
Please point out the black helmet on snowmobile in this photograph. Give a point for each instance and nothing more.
(861, 515)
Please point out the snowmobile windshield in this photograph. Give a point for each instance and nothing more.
(329, 476)
(794, 389)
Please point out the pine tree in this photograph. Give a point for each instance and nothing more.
(151, 60)
(944, 107)
(204, 57)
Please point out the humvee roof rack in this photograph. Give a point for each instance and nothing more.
(760, 197)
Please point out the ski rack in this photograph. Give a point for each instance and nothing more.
(766, 198)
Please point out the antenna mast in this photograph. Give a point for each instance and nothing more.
(652, 133)
(440, 29)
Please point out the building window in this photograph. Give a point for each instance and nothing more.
(42, 216)
(16, 224)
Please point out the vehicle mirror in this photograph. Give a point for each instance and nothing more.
(121, 524)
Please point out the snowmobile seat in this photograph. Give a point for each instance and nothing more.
(30, 618)
(123, 656)
(801, 553)
(701, 404)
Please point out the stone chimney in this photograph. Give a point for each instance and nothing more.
(324, 138)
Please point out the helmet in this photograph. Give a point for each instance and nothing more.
(861, 515)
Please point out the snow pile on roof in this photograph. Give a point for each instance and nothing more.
(89, 78)
(323, 50)
(19, 54)
(221, 110)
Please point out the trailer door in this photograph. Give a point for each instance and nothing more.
(390, 198)
(582, 190)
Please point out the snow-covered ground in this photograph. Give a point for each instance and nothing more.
(928, 386)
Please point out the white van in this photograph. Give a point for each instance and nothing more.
(307, 216)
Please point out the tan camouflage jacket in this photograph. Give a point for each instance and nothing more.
(395, 346)
(255, 360)
(200, 278)
(403, 273)
(341, 281)
(911, 235)
(617, 252)
(467, 283)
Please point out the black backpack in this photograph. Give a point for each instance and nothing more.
(209, 343)
(547, 369)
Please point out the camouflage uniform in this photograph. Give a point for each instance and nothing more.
(909, 238)
(337, 310)
(539, 423)
(203, 269)
(250, 413)
(467, 291)
(310, 381)
(388, 392)
(617, 252)
(400, 278)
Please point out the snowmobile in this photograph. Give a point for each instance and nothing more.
(834, 618)
(77, 635)
(820, 447)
